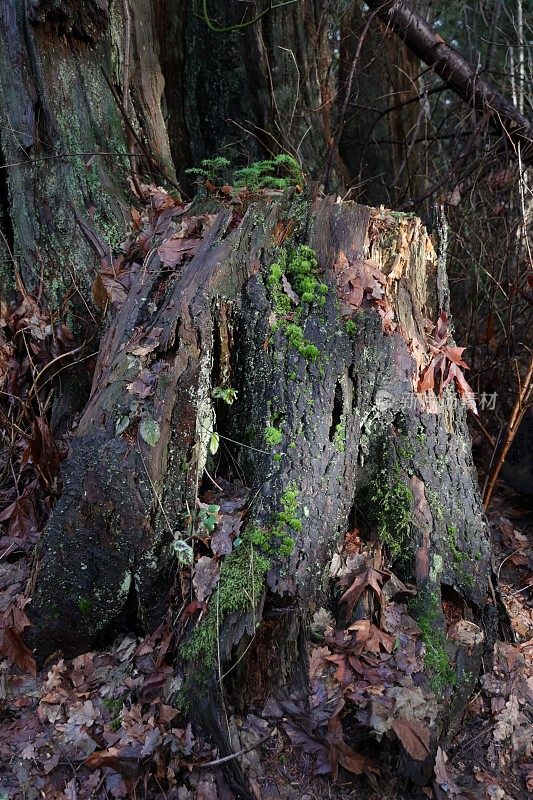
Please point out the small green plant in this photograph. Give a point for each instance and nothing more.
(184, 552)
(211, 169)
(273, 173)
(228, 395)
(208, 516)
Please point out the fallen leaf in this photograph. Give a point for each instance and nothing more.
(205, 577)
(414, 736)
(370, 577)
(150, 431)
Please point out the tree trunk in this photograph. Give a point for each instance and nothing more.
(262, 430)
(64, 144)
(246, 93)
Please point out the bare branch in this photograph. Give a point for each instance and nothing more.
(461, 76)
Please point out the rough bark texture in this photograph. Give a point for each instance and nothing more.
(63, 202)
(251, 92)
(353, 439)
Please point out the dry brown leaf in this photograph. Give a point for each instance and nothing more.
(414, 736)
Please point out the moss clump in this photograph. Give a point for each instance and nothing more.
(350, 327)
(242, 575)
(239, 587)
(115, 709)
(434, 504)
(85, 606)
(273, 436)
(392, 504)
(301, 268)
(295, 337)
(287, 520)
(339, 437)
(299, 265)
(457, 555)
(427, 611)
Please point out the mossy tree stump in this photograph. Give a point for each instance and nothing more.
(315, 315)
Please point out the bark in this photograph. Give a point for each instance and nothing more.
(459, 74)
(250, 92)
(352, 434)
(64, 147)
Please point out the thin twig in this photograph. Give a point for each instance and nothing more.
(517, 414)
(224, 760)
(335, 143)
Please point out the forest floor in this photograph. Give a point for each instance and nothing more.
(102, 725)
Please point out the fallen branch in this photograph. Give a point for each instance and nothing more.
(461, 76)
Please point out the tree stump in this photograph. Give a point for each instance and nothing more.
(255, 403)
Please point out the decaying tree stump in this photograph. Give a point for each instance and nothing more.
(274, 374)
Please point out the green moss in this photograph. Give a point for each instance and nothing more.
(434, 504)
(85, 605)
(299, 265)
(115, 709)
(457, 555)
(406, 452)
(427, 611)
(241, 578)
(273, 436)
(339, 438)
(239, 588)
(421, 435)
(289, 516)
(295, 337)
(350, 327)
(390, 507)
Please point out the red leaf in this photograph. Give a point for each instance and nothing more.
(466, 392)
(13, 648)
(454, 354)
(427, 379)
(12, 623)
